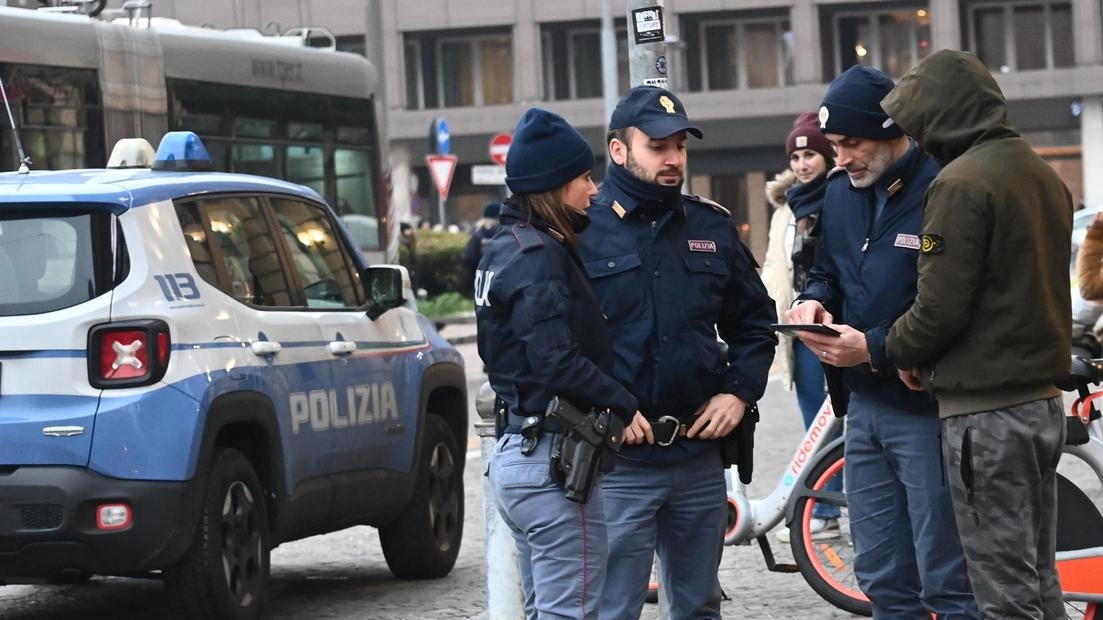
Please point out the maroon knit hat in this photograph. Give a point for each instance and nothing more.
(806, 134)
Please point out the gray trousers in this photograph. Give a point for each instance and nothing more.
(1002, 468)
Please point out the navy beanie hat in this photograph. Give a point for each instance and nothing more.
(546, 153)
(852, 105)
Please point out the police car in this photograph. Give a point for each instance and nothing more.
(196, 367)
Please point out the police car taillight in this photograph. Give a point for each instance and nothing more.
(128, 354)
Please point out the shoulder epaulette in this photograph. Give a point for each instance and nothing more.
(527, 238)
(710, 204)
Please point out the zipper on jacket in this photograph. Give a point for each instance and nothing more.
(865, 245)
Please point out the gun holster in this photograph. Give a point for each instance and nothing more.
(737, 448)
(501, 417)
(587, 446)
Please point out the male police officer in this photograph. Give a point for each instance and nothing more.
(480, 236)
(908, 556)
(670, 272)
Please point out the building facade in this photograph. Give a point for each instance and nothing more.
(743, 68)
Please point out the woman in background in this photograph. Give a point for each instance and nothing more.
(797, 195)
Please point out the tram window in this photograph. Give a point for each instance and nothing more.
(354, 135)
(254, 128)
(306, 132)
(217, 150)
(356, 197)
(58, 114)
(306, 166)
(202, 124)
(257, 159)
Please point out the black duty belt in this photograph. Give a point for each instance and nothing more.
(515, 422)
(667, 428)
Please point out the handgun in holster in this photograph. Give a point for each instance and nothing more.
(586, 447)
(737, 448)
(501, 417)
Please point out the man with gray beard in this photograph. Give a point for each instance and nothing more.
(908, 557)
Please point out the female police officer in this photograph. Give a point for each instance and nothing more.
(541, 334)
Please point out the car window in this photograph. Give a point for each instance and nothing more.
(323, 266)
(232, 248)
(54, 261)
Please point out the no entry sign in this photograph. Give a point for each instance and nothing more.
(499, 146)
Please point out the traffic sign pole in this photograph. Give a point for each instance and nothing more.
(440, 142)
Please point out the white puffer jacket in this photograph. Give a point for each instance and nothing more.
(777, 268)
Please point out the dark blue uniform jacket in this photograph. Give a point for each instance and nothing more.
(540, 329)
(865, 272)
(669, 277)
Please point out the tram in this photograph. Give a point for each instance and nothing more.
(269, 105)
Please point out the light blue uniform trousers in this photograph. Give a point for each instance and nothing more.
(678, 510)
(561, 545)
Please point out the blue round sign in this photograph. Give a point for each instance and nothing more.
(441, 136)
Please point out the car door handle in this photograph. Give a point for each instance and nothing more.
(342, 347)
(266, 347)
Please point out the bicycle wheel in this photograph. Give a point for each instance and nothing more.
(827, 565)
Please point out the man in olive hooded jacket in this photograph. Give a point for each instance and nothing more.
(988, 332)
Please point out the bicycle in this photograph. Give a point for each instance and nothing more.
(827, 565)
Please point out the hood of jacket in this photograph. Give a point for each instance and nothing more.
(775, 190)
(948, 103)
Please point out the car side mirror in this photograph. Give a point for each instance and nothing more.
(383, 286)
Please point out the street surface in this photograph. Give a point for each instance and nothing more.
(342, 576)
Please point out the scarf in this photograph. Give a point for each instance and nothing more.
(806, 199)
(644, 193)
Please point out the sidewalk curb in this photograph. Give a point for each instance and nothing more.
(463, 319)
(462, 339)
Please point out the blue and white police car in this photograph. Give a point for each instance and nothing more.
(196, 367)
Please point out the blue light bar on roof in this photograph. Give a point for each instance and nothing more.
(182, 151)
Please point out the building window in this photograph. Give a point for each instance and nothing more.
(415, 85)
(1021, 36)
(892, 40)
(458, 69)
(581, 76)
(752, 50)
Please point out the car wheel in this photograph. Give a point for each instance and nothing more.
(424, 541)
(225, 570)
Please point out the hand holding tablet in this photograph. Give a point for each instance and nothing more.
(818, 328)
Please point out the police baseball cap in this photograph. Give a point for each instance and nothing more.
(654, 111)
